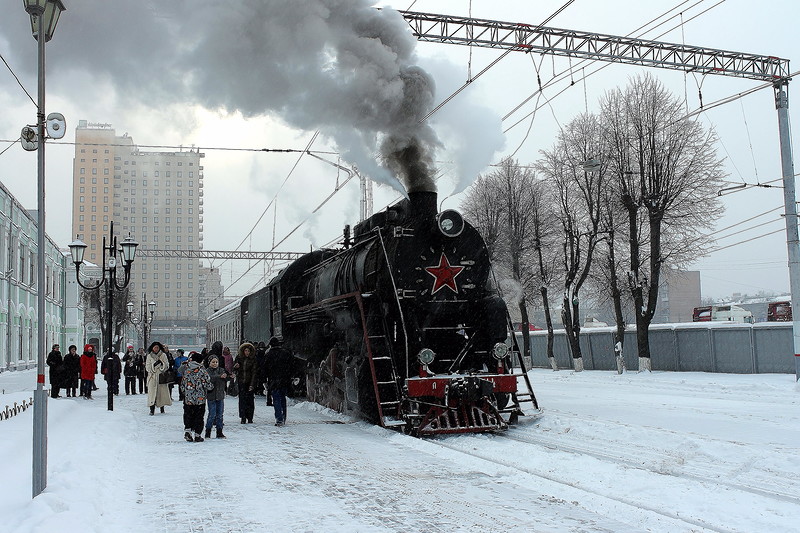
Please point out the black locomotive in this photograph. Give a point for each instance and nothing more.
(401, 326)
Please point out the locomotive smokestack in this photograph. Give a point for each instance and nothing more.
(422, 204)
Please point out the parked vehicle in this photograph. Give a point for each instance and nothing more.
(779, 311)
(722, 313)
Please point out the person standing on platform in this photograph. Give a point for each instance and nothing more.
(245, 367)
(88, 371)
(56, 364)
(279, 374)
(111, 368)
(216, 398)
(72, 371)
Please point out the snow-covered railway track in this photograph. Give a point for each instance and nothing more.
(653, 462)
(690, 522)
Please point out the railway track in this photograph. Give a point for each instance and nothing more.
(707, 473)
(689, 522)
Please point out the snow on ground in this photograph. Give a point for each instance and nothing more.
(659, 452)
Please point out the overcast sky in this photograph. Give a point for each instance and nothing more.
(255, 74)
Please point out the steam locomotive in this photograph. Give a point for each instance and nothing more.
(400, 326)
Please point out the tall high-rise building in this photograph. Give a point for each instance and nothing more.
(157, 197)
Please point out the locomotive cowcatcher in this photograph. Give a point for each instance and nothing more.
(402, 326)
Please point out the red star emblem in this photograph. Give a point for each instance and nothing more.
(444, 274)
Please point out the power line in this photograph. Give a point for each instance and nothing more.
(744, 241)
(183, 147)
(16, 78)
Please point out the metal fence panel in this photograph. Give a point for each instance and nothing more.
(774, 349)
(694, 347)
(736, 348)
(733, 350)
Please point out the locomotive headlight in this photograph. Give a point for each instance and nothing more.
(426, 356)
(500, 351)
(450, 222)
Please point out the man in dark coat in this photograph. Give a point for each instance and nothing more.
(111, 368)
(72, 371)
(279, 374)
(56, 364)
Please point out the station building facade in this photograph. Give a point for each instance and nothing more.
(18, 290)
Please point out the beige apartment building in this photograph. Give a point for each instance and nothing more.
(157, 197)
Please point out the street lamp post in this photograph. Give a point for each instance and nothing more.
(44, 15)
(128, 252)
(142, 319)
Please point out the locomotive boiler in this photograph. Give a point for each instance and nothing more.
(401, 326)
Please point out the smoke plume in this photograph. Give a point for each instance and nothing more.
(338, 66)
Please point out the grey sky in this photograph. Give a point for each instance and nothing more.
(259, 74)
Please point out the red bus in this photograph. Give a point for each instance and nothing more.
(779, 312)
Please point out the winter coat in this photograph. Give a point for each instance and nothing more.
(129, 369)
(261, 364)
(157, 393)
(228, 358)
(88, 365)
(72, 370)
(279, 368)
(138, 362)
(195, 384)
(246, 371)
(111, 367)
(179, 364)
(56, 364)
(216, 350)
(218, 392)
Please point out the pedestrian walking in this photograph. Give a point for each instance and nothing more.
(56, 364)
(245, 367)
(216, 397)
(195, 386)
(279, 373)
(88, 370)
(72, 371)
(156, 364)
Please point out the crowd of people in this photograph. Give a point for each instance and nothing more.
(203, 379)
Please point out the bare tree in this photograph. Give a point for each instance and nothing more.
(665, 173)
(95, 301)
(579, 210)
(499, 205)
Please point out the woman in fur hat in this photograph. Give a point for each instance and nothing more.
(155, 365)
(245, 367)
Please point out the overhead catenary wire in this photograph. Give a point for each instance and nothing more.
(489, 66)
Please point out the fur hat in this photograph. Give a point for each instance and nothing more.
(246, 345)
(196, 357)
(275, 341)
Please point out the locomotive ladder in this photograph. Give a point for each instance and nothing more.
(521, 397)
(384, 374)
